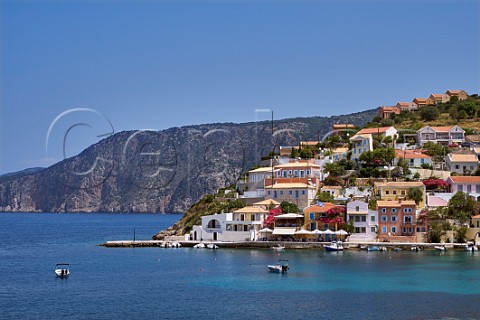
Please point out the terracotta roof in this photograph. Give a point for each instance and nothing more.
(405, 104)
(463, 157)
(392, 108)
(373, 130)
(383, 203)
(437, 95)
(289, 186)
(316, 208)
(331, 187)
(410, 154)
(476, 217)
(250, 209)
(297, 164)
(465, 179)
(454, 91)
(266, 202)
(420, 99)
(400, 184)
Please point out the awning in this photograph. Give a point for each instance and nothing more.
(284, 231)
(288, 216)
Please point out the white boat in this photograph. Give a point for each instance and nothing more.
(175, 245)
(279, 267)
(212, 246)
(334, 246)
(200, 245)
(471, 247)
(415, 248)
(376, 248)
(62, 270)
(278, 247)
(440, 248)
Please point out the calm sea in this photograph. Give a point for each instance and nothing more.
(156, 283)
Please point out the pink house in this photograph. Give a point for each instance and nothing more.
(466, 184)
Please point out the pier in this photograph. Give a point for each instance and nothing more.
(270, 244)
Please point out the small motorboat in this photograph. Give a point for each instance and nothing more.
(62, 270)
(175, 245)
(212, 246)
(471, 247)
(334, 246)
(278, 247)
(415, 248)
(200, 245)
(376, 248)
(440, 248)
(279, 267)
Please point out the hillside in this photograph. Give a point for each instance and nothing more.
(158, 171)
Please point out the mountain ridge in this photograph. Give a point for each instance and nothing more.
(162, 171)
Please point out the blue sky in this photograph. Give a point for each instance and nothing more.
(160, 64)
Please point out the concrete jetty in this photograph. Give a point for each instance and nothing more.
(271, 244)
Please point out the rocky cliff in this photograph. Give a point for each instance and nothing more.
(157, 171)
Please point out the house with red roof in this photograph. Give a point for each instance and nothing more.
(362, 141)
(467, 184)
(397, 219)
(443, 135)
(386, 112)
(415, 158)
(439, 98)
(460, 94)
(407, 106)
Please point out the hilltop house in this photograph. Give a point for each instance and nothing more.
(394, 191)
(441, 135)
(240, 225)
(364, 221)
(386, 112)
(462, 163)
(460, 94)
(397, 219)
(339, 128)
(407, 106)
(422, 102)
(439, 98)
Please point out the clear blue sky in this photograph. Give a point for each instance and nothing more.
(160, 64)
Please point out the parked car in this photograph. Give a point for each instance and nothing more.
(466, 144)
(453, 145)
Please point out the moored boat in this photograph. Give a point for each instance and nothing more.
(440, 248)
(334, 246)
(278, 247)
(470, 246)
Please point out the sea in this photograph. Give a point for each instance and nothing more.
(187, 283)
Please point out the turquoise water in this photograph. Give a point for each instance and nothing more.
(185, 283)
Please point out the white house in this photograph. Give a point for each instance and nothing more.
(466, 184)
(462, 163)
(364, 221)
(362, 141)
(240, 225)
(441, 135)
(414, 158)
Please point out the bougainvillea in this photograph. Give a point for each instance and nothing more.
(435, 184)
(270, 218)
(334, 215)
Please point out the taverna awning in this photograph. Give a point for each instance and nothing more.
(288, 216)
(284, 231)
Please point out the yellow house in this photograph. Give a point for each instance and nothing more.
(299, 193)
(398, 191)
(313, 213)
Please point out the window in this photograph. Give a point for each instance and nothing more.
(252, 217)
(407, 219)
(308, 172)
(275, 194)
(357, 208)
(313, 226)
(404, 210)
(410, 210)
(290, 192)
(312, 216)
(423, 229)
(384, 218)
(384, 210)
(403, 192)
(363, 218)
(387, 192)
(394, 191)
(469, 188)
(384, 229)
(460, 187)
(477, 188)
(295, 173)
(372, 229)
(268, 192)
(393, 218)
(393, 229)
(418, 229)
(456, 166)
(303, 192)
(372, 218)
(281, 192)
(394, 210)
